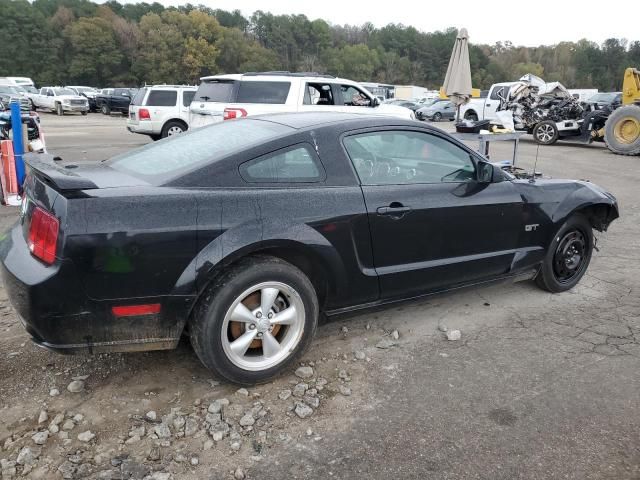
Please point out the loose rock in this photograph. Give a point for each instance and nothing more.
(284, 394)
(442, 327)
(54, 392)
(395, 335)
(360, 355)
(243, 392)
(302, 410)
(346, 391)
(162, 430)
(43, 416)
(247, 420)
(304, 372)
(28, 456)
(300, 389)
(151, 415)
(68, 425)
(453, 335)
(76, 386)
(239, 474)
(86, 436)
(217, 405)
(190, 427)
(40, 438)
(385, 343)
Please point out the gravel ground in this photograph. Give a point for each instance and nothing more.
(539, 386)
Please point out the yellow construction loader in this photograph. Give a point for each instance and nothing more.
(622, 128)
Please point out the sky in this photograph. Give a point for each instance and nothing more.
(542, 22)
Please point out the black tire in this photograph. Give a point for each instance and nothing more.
(155, 137)
(559, 273)
(171, 127)
(105, 109)
(437, 117)
(546, 133)
(59, 110)
(614, 128)
(32, 105)
(471, 115)
(205, 327)
(83, 113)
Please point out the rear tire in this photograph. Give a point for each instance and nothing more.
(230, 310)
(83, 113)
(622, 130)
(437, 117)
(546, 133)
(173, 127)
(568, 256)
(105, 109)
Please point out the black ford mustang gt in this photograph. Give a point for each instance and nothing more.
(242, 232)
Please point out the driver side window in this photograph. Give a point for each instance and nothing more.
(406, 157)
(354, 97)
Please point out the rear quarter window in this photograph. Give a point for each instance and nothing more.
(187, 97)
(216, 91)
(162, 98)
(296, 164)
(139, 97)
(263, 92)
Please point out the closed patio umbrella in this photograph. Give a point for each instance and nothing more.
(457, 81)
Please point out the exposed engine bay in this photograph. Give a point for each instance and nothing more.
(531, 101)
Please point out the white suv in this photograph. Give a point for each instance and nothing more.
(223, 97)
(160, 110)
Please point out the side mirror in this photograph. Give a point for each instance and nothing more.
(375, 102)
(484, 172)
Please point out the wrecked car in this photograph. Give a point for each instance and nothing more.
(547, 111)
(242, 233)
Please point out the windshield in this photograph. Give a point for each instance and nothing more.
(160, 162)
(603, 97)
(63, 91)
(215, 91)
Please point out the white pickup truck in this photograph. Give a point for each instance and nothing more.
(59, 100)
(223, 97)
(486, 108)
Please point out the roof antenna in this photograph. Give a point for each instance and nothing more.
(535, 164)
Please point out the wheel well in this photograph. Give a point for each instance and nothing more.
(299, 258)
(599, 215)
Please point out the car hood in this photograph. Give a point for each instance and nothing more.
(394, 110)
(71, 97)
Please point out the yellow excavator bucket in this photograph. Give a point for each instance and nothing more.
(631, 86)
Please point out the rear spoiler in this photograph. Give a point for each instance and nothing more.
(61, 177)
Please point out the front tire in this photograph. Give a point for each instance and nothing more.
(59, 110)
(255, 320)
(437, 117)
(568, 256)
(622, 130)
(546, 133)
(105, 109)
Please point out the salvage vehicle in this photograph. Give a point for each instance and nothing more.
(225, 97)
(160, 111)
(243, 232)
(115, 100)
(59, 100)
(89, 93)
(602, 100)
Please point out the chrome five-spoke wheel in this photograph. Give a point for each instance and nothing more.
(263, 326)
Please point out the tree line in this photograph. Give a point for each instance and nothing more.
(113, 44)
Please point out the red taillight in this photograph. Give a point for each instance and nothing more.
(143, 114)
(230, 113)
(134, 310)
(43, 235)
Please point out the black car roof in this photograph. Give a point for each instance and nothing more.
(305, 120)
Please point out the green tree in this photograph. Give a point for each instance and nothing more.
(95, 54)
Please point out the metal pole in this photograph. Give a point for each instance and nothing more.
(18, 145)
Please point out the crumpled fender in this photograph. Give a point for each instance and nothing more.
(587, 194)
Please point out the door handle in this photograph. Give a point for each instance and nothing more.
(394, 209)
